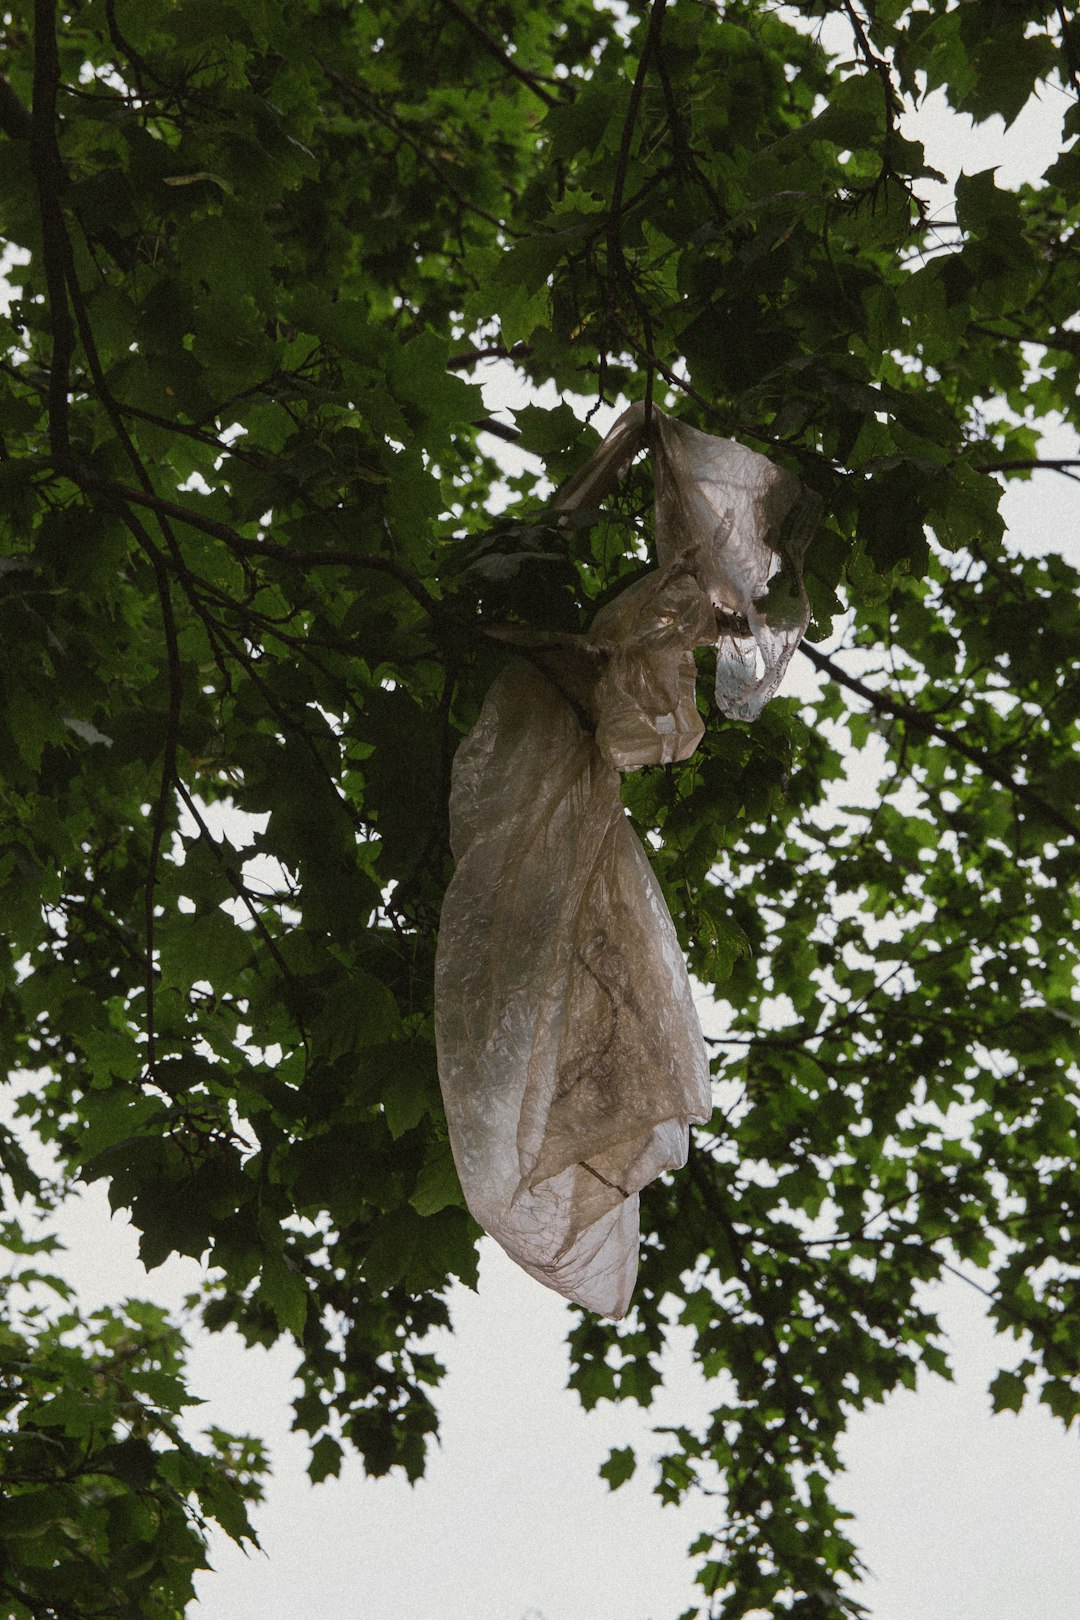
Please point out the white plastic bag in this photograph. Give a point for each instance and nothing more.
(746, 524)
(742, 525)
(570, 1053)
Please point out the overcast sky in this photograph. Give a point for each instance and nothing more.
(959, 1516)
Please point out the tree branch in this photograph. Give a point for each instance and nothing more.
(921, 721)
(617, 266)
(355, 93)
(499, 430)
(237, 883)
(168, 773)
(244, 547)
(499, 52)
(14, 118)
(499, 351)
(878, 65)
(794, 1399)
(656, 18)
(1069, 47)
(1058, 464)
(49, 182)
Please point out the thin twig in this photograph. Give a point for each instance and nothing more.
(355, 93)
(499, 52)
(238, 885)
(921, 721)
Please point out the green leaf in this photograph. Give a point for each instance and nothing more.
(32, 1513)
(325, 1461)
(283, 1289)
(619, 1466)
(437, 1186)
(409, 1089)
(133, 1461)
(1007, 1391)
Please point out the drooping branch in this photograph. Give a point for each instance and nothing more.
(920, 721)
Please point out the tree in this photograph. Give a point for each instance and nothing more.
(255, 540)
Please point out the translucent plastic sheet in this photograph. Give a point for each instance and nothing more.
(742, 523)
(746, 524)
(570, 1053)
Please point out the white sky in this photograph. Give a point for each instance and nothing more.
(960, 1516)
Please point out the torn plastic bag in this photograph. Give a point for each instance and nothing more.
(744, 525)
(570, 1052)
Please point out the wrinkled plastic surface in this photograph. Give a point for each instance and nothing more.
(643, 702)
(746, 524)
(743, 524)
(570, 1053)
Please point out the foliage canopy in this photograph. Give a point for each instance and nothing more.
(254, 540)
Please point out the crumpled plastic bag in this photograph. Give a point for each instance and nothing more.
(570, 1053)
(744, 525)
(644, 701)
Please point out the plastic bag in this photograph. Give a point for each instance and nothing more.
(742, 524)
(643, 702)
(746, 523)
(570, 1053)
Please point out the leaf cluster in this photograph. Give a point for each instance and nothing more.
(105, 1503)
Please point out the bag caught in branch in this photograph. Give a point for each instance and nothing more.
(570, 1053)
(742, 523)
